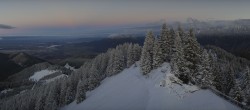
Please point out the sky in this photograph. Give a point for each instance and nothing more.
(64, 17)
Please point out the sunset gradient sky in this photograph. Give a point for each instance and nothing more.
(53, 16)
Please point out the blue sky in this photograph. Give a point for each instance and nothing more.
(50, 17)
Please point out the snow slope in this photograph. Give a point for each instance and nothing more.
(130, 90)
(40, 74)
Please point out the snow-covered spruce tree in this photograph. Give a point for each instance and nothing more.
(218, 76)
(30, 102)
(172, 38)
(98, 66)
(53, 99)
(133, 54)
(165, 43)
(136, 52)
(147, 54)
(157, 54)
(230, 80)
(236, 92)
(130, 55)
(50, 102)
(57, 91)
(62, 93)
(216, 71)
(110, 66)
(246, 89)
(81, 91)
(227, 81)
(204, 76)
(191, 54)
(177, 60)
(94, 77)
(40, 103)
(182, 34)
(116, 61)
(175, 55)
(70, 92)
(103, 63)
(119, 61)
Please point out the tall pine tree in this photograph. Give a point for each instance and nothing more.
(165, 43)
(191, 54)
(81, 91)
(204, 75)
(147, 54)
(157, 54)
(177, 60)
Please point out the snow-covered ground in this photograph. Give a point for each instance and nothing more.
(40, 74)
(130, 90)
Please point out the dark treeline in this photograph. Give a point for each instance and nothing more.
(238, 44)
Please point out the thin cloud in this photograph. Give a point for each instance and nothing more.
(3, 26)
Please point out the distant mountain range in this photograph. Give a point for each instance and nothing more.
(240, 26)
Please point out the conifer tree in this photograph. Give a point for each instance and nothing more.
(236, 92)
(165, 43)
(110, 65)
(130, 55)
(157, 54)
(182, 34)
(104, 63)
(147, 53)
(177, 60)
(137, 52)
(119, 61)
(62, 93)
(81, 91)
(40, 103)
(191, 54)
(204, 75)
(70, 93)
(50, 102)
(172, 38)
(247, 86)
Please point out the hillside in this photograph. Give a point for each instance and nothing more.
(24, 60)
(7, 66)
(13, 63)
(33, 77)
(130, 90)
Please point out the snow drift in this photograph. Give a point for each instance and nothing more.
(160, 90)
